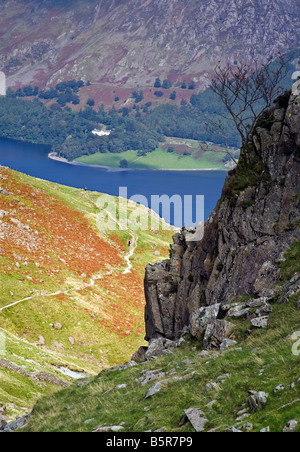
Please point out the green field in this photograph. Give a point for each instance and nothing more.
(160, 159)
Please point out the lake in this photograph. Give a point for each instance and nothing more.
(33, 160)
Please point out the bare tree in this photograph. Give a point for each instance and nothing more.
(248, 89)
(217, 128)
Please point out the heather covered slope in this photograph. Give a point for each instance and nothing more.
(65, 300)
(130, 43)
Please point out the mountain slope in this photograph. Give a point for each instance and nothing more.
(129, 43)
(217, 383)
(233, 297)
(71, 292)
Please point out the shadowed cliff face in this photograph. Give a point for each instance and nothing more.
(130, 42)
(255, 221)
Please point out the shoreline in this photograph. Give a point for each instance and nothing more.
(53, 156)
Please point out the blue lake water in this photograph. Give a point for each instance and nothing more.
(33, 160)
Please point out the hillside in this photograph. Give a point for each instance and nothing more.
(71, 290)
(222, 314)
(48, 41)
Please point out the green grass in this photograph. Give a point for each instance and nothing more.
(291, 264)
(103, 404)
(160, 159)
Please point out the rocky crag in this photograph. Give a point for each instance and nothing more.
(234, 269)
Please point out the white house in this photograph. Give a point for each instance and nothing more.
(101, 133)
(2, 84)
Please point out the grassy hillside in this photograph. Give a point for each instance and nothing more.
(259, 362)
(68, 297)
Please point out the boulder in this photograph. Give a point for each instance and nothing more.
(290, 427)
(227, 343)
(260, 322)
(197, 418)
(216, 332)
(159, 347)
(17, 424)
(154, 390)
(257, 400)
(202, 317)
(3, 422)
(140, 355)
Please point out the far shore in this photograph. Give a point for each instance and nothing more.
(54, 156)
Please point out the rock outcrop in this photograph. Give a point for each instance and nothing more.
(256, 220)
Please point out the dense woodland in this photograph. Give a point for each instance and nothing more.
(23, 116)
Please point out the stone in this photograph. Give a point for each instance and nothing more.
(188, 362)
(107, 429)
(154, 390)
(158, 347)
(197, 418)
(290, 427)
(71, 340)
(227, 343)
(3, 422)
(17, 424)
(216, 332)
(140, 355)
(202, 317)
(123, 366)
(210, 386)
(279, 388)
(260, 322)
(151, 375)
(265, 430)
(211, 404)
(223, 376)
(203, 354)
(41, 341)
(242, 417)
(58, 326)
(237, 311)
(257, 400)
(233, 429)
(248, 427)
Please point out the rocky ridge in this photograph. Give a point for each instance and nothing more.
(202, 287)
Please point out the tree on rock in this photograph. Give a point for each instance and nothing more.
(248, 90)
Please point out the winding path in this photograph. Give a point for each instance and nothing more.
(127, 270)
